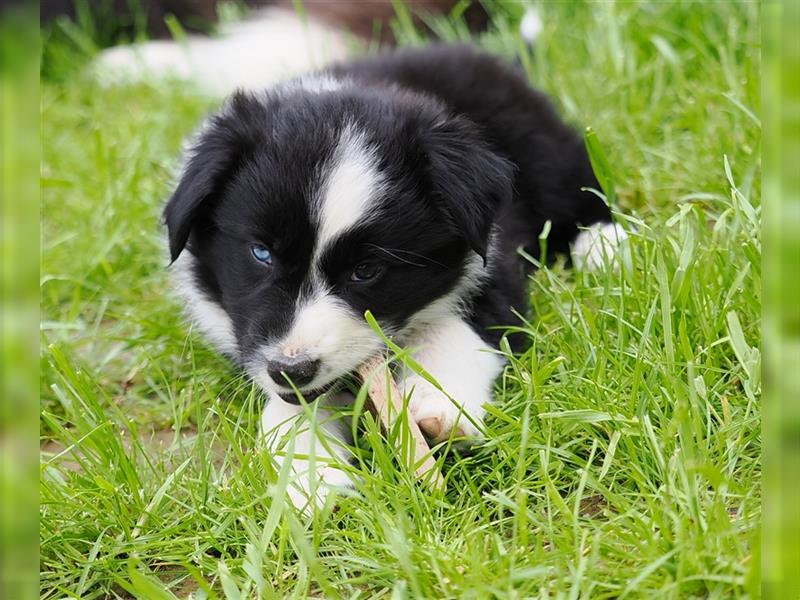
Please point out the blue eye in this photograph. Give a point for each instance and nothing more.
(261, 254)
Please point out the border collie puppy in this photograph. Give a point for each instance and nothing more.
(403, 184)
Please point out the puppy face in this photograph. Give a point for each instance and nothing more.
(298, 211)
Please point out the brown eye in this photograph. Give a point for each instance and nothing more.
(365, 272)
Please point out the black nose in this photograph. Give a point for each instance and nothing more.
(300, 370)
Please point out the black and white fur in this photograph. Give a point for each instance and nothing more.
(425, 170)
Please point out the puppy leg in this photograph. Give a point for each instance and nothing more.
(316, 447)
(465, 367)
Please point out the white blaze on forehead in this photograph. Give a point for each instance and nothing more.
(349, 190)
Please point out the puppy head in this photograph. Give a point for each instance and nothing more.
(298, 211)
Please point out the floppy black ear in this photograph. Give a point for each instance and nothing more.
(224, 141)
(200, 181)
(470, 181)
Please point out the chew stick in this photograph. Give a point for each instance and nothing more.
(388, 408)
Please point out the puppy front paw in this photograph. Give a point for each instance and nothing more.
(599, 245)
(311, 489)
(439, 418)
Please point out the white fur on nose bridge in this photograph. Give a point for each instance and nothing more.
(318, 325)
(350, 187)
(292, 351)
(310, 325)
(327, 330)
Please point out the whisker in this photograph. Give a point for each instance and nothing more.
(394, 253)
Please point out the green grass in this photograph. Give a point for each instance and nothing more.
(623, 451)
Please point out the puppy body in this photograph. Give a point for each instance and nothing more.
(403, 184)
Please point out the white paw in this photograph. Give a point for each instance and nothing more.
(597, 246)
(312, 489)
(317, 450)
(438, 417)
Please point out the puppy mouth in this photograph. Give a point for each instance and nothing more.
(309, 396)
